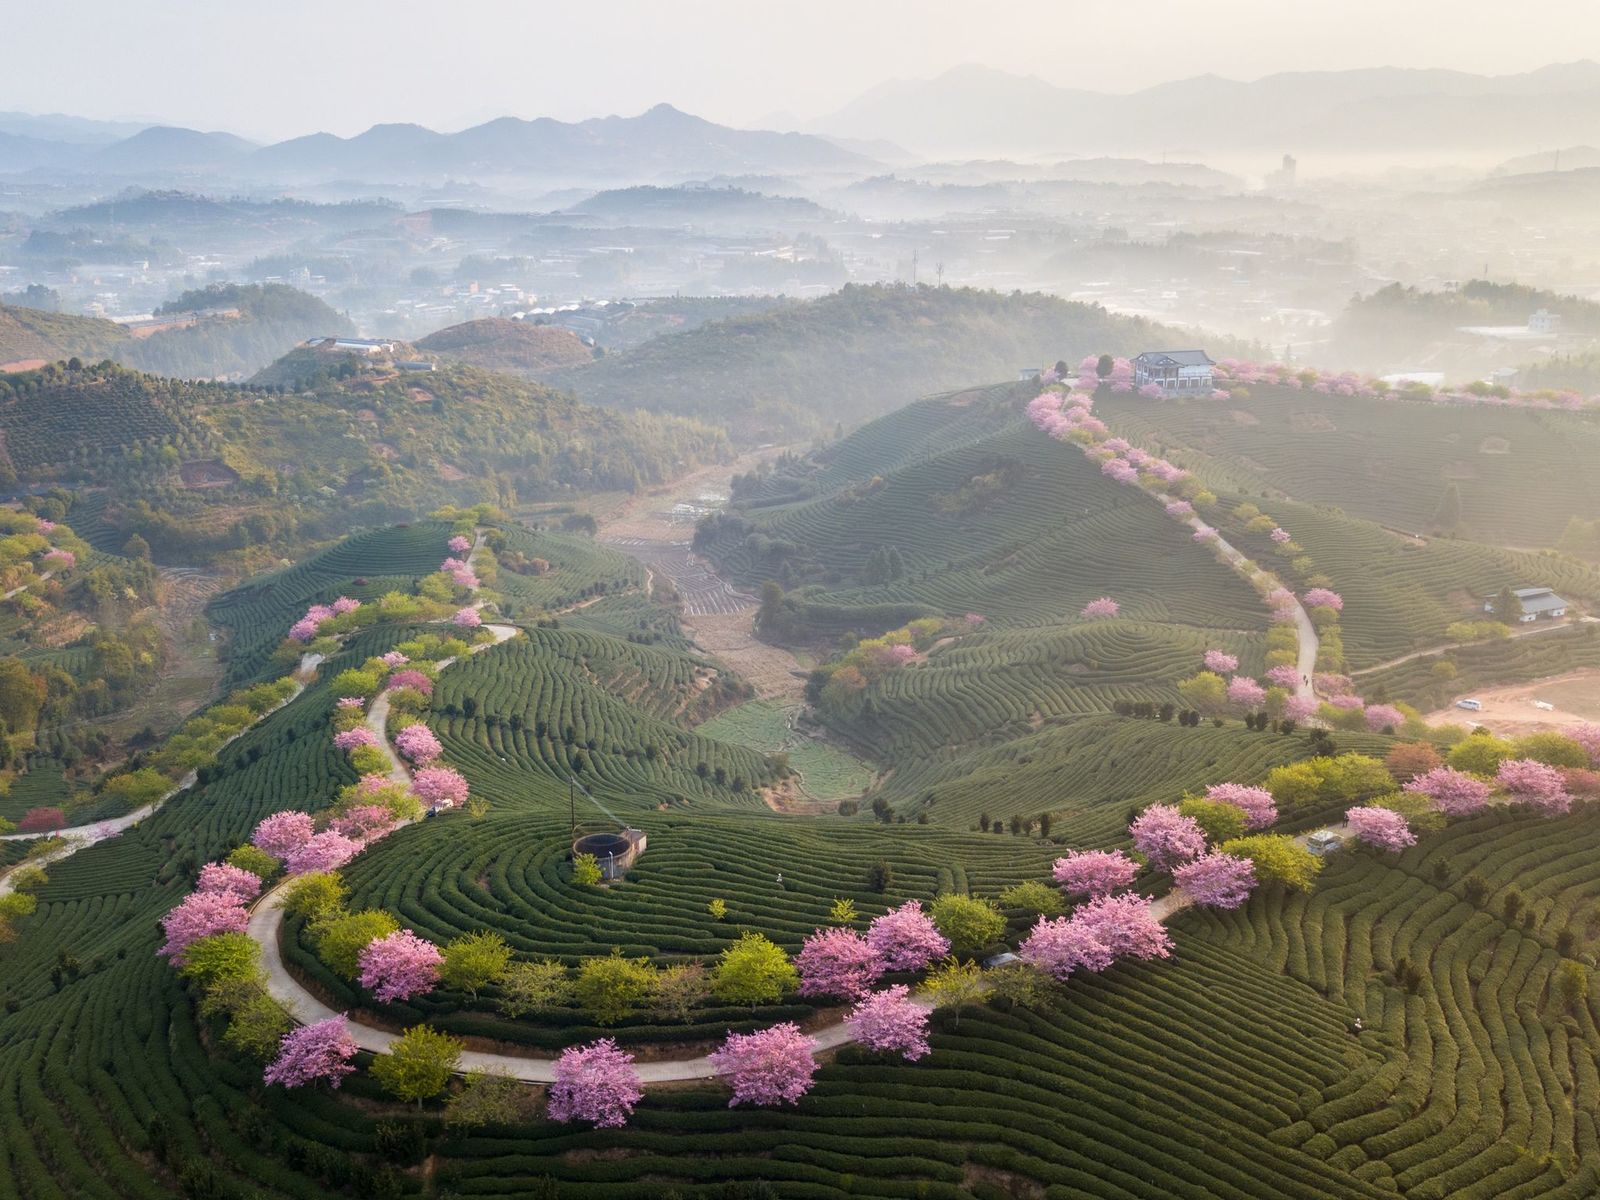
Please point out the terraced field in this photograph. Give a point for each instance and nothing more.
(1482, 1083)
(1512, 660)
(1521, 473)
(985, 515)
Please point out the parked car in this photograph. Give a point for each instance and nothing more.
(1470, 705)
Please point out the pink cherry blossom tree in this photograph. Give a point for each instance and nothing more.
(61, 560)
(1126, 925)
(364, 823)
(410, 679)
(1321, 597)
(1217, 880)
(1527, 781)
(890, 1022)
(1166, 837)
(466, 618)
(1453, 792)
(1300, 708)
(418, 743)
(1059, 946)
(459, 544)
(1257, 804)
(772, 1066)
(399, 966)
(1221, 662)
(321, 1050)
(595, 1083)
(1204, 533)
(351, 739)
(1180, 508)
(1384, 716)
(326, 851)
(283, 833)
(1279, 535)
(837, 962)
(906, 939)
(1105, 606)
(440, 787)
(393, 659)
(1284, 675)
(1587, 736)
(200, 915)
(1380, 827)
(1246, 692)
(1094, 872)
(344, 604)
(224, 877)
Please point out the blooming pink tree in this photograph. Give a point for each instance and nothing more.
(466, 618)
(200, 915)
(595, 1083)
(364, 823)
(61, 560)
(1126, 925)
(1152, 391)
(1094, 872)
(1284, 675)
(399, 966)
(344, 604)
(1381, 827)
(906, 939)
(837, 962)
(1279, 535)
(224, 877)
(1166, 837)
(418, 743)
(769, 1067)
(891, 1022)
(1180, 508)
(1260, 810)
(1587, 736)
(1300, 708)
(1453, 792)
(349, 702)
(1384, 716)
(327, 851)
(1204, 533)
(1059, 946)
(1527, 781)
(1217, 880)
(1321, 597)
(410, 679)
(322, 1050)
(1105, 606)
(283, 833)
(1246, 692)
(1221, 662)
(440, 787)
(393, 659)
(351, 739)
(459, 544)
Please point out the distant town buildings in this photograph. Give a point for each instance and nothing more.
(1175, 371)
(1283, 178)
(368, 346)
(1544, 321)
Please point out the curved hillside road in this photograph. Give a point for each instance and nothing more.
(266, 929)
(1251, 570)
(17, 591)
(1552, 627)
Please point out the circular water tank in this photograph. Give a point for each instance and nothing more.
(602, 845)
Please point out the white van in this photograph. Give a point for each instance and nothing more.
(1470, 705)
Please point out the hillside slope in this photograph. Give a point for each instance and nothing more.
(851, 356)
(31, 333)
(501, 344)
(206, 469)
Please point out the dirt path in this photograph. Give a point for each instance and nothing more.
(1549, 627)
(1509, 710)
(718, 617)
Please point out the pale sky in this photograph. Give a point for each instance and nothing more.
(276, 69)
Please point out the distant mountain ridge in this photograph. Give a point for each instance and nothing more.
(661, 141)
(1393, 109)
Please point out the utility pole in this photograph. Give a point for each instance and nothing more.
(913, 268)
(939, 271)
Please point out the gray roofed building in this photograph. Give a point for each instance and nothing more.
(1175, 371)
(1535, 602)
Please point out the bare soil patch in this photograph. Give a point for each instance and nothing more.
(1575, 698)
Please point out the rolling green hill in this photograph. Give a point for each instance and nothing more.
(31, 333)
(850, 356)
(203, 469)
(1518, 474)
(501, 344)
